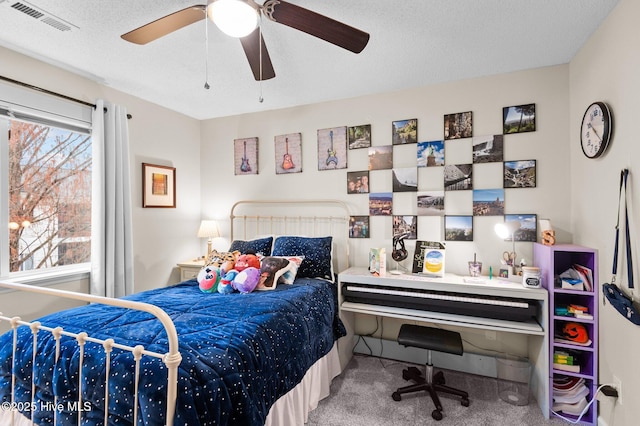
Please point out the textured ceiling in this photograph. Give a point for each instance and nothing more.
(413, 43)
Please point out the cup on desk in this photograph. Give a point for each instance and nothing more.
(475, 268)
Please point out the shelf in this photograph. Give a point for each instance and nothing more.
(569, 291)
(572, 319)
(553, 261)
(524, 327)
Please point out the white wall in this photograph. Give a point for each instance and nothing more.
(607, 69)
(31, 306)
(547, 87)
(485, 97)
(162, 237)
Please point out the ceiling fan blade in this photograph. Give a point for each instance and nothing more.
(166, 25)
(251, 45)
(317, 25)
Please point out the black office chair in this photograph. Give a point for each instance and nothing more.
(434, 339)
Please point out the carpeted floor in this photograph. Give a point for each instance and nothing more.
(361, 396)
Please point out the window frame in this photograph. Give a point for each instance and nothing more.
(45, 109)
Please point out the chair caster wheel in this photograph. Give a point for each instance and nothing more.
(396, 396)
(406, 375)
(439, 378)
(436, 414)
(464, 402)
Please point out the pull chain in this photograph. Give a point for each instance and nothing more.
(206, 49)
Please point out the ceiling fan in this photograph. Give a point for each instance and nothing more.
(279, 11)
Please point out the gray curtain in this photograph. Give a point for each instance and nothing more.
(111, 227)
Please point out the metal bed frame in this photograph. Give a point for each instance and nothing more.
(252, 225)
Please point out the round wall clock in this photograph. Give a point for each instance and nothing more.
(595, 132)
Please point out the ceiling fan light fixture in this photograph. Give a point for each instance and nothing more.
(236, 18)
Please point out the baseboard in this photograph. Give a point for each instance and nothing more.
(482, 365)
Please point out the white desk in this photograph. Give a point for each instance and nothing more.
(536, 330)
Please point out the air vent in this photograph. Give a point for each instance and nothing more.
(27, 10)
(55, 24)
(42, 16)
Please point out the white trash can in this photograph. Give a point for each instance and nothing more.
(513, 375)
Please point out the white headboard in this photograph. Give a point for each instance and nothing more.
(250, 219)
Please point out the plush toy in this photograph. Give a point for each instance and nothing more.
(225, 286)
(208, 279)
(222, 259)
(247, 260)
(246, 280)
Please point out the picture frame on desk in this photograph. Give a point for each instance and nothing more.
(428, 258)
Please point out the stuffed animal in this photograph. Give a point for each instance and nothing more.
(208, 279)
(225, 286)
(246, 280)
(247, 260)
(222, 259)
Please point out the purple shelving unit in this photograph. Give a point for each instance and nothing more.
(552, 261)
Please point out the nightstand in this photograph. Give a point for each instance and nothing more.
(190, 268)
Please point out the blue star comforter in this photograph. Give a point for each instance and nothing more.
(240, 353)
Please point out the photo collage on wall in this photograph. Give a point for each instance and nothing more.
(334, 143)
(456, 177)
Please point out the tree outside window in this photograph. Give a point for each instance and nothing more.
(49, 196)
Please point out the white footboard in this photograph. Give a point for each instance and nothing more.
(171, 359)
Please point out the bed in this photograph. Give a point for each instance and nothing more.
(176, 355)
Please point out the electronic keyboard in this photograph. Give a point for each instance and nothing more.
(485, 306)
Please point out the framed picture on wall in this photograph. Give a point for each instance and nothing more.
(405, 225)
(458, 228)
(488, 202)
(430, 153)
(520, 174)
(458, 177)
(404, 131)
(519, 119)
(360, 136)
(245, 155)
(158, 186)
(528, 230)
(488, 149)
(458, 125)
(430, 203)
(332, 148)
(380, 203)
(288, 149)
(358, 182)
(405, 179)
(381, 157)
(359, 227)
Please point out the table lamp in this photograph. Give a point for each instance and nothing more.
(504, 231)
(208, 229)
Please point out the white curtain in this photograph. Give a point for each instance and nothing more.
(111, 224)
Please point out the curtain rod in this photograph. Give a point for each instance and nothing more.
(49, 92)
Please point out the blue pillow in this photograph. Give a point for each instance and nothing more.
(316, 252)
(258, 246)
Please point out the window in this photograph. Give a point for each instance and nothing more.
(47, 170)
